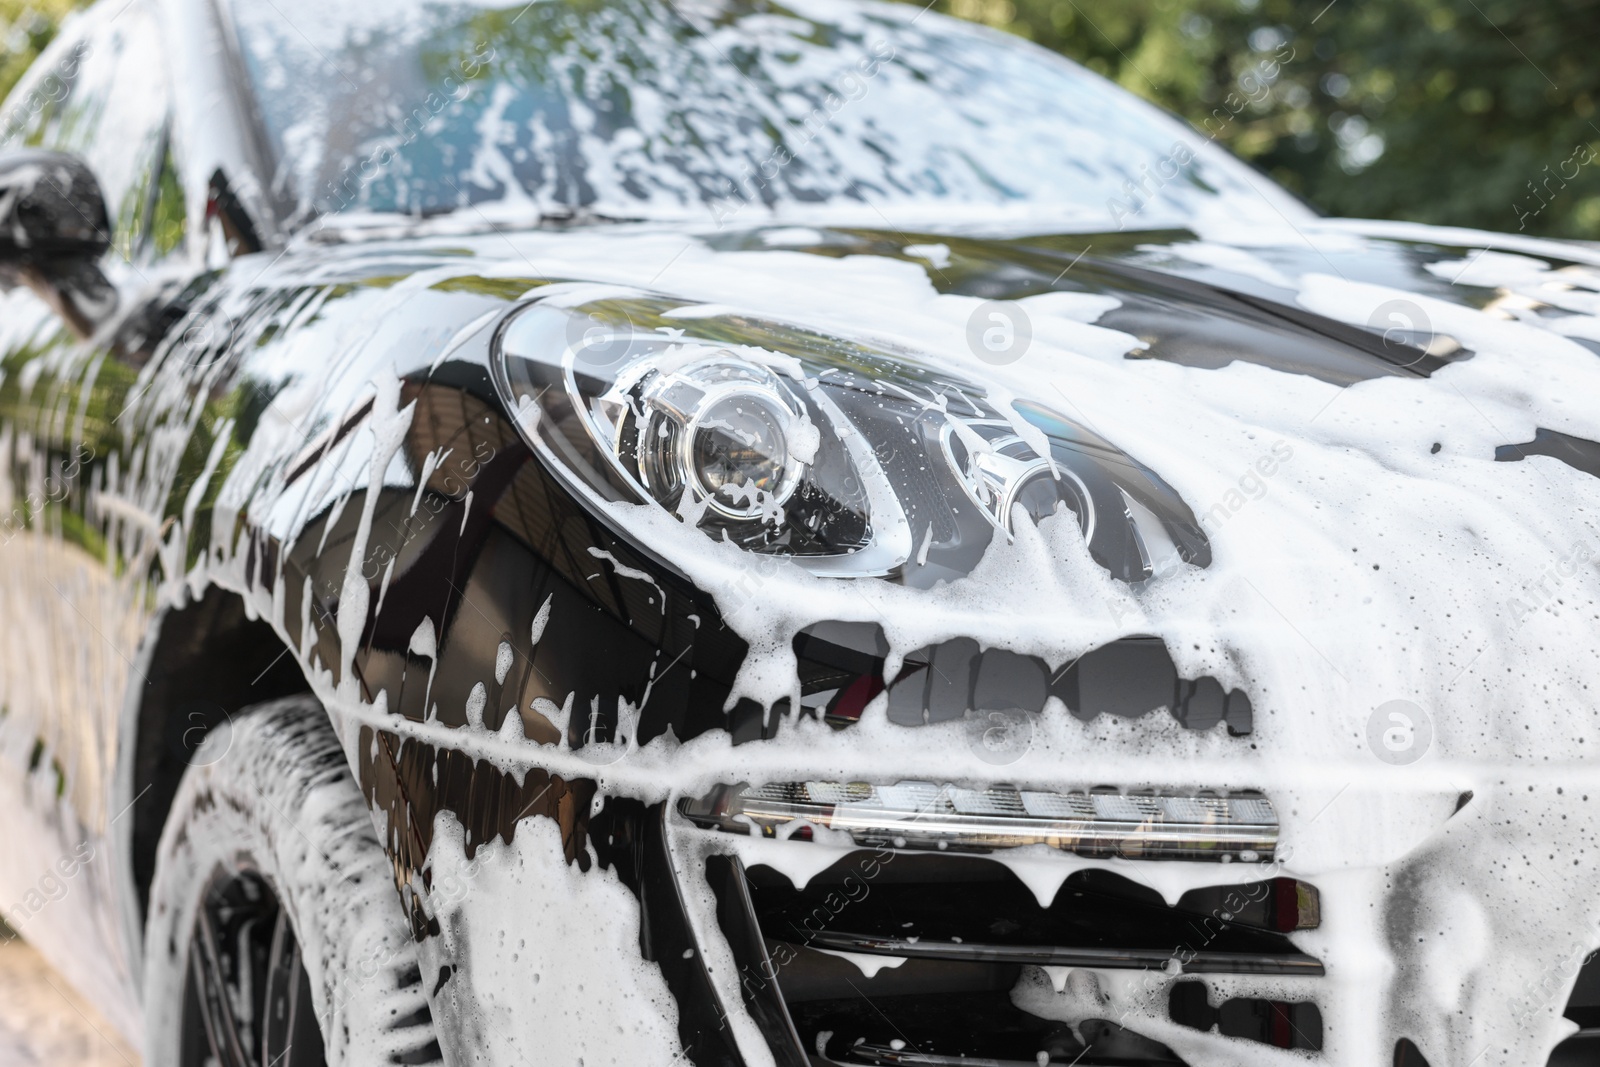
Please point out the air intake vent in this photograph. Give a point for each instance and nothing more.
(1271, 1022)
(841, 668)
(1583, 1008)
(890, 958)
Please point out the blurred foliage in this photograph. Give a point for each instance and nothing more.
(26, 26)
(1467, 112)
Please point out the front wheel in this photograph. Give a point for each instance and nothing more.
(275, 938)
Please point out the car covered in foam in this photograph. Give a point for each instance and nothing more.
(743, 533)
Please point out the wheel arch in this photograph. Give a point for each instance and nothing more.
(207, 660)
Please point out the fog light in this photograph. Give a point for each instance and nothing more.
(924, 815)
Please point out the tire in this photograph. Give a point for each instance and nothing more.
(275, 935)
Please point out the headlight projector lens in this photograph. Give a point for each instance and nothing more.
(739, 455)
(724, 430)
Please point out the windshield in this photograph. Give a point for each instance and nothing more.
(639, 108)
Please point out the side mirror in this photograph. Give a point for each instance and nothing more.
(53, 230)
(50, 206)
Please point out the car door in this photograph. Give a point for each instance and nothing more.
(77, 552)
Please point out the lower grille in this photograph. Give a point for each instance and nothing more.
(1583, 1007)
(964, 1030)
(896, 958)
(1271, 1022)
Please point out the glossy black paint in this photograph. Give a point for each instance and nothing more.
(482, 574)
(1575, 452)
(758, 974)
(1197, 317)
(410, 783)
(972, 910)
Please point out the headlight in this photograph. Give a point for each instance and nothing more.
(851, 460)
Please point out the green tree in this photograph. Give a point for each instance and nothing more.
(1464, 112)
(26, 26)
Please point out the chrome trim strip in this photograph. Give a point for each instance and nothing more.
(924, 815)
(1296, 963)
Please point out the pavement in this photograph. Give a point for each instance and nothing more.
(43, 1021)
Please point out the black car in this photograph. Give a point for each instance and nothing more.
(738, 533)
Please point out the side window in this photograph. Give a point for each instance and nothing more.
(106, 96)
